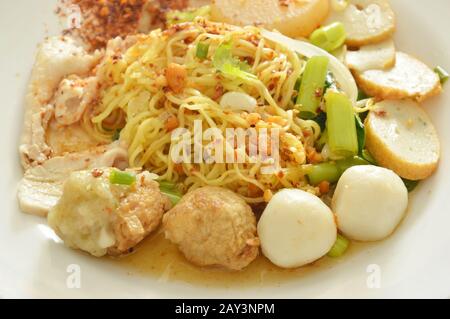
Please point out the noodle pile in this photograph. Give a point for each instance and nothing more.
(136, 99)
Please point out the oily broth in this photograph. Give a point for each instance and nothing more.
(159, 258)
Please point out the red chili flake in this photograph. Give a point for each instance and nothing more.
(254, 40)
(318, 93)
(380, 113)
(97, 172)
(307, 133)
(105, 19)
(218, 92)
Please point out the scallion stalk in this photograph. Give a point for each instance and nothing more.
(312, 86)
(340, 247)
(122, 178)
(332, 171)
(323, 172)
(341, 126)
(330, 37)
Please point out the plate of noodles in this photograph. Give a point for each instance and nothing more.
(291, 149)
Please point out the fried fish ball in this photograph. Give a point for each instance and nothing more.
(100, 218)
(213, 226)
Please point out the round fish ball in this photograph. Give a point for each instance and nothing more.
(369, 203)
(296, 228)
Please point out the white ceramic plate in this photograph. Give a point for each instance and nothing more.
(415, 262)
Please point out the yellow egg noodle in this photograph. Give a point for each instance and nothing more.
(135, 97)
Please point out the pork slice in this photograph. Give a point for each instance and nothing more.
(57, 57)
(42, 185)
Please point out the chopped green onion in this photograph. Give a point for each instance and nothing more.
(410, 185)
(224, 61)
(171, 191)
(442, 73)
(223, 55)
(342, 136)
(360, 133)
(122, 178)
(329, 37)
(174, 198)
(202, 50)
(176, 16)
(323, 172)
(239, 70)
(167, 185)
(340, 247)
(312, 86)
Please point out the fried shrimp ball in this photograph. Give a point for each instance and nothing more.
(213, 226)
(101, 218)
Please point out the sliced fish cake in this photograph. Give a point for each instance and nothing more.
(401, 137)
(292, 18)
(379, 56)
(366, 21)
(409, 78)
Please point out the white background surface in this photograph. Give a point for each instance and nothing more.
(415, 262)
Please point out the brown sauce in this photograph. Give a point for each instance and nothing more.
(160, 259)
